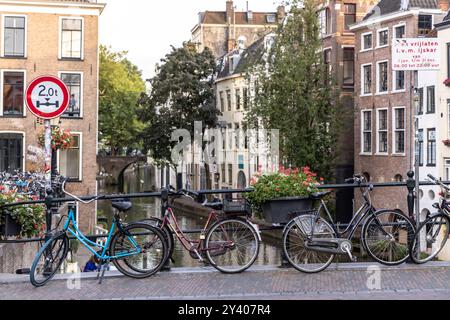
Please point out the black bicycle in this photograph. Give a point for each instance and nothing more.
(310, 242)
(432, 234)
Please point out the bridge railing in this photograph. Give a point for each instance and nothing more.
(50, 202)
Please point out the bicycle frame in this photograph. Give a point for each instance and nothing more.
(90, 245)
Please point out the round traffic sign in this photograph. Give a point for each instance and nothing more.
(47, 97)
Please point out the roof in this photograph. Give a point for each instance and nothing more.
(220, 17)
(248, 58)
(390, 6)
(445, 22)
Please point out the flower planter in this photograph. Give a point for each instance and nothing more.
(10, 228)
(280, 211)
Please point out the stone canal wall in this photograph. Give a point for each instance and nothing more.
(17, 256)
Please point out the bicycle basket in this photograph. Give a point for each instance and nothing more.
(236, 206)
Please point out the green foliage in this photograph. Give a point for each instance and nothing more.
(30, 217)
(285, 183)
(295, 94)
(120, 87)
(182, 92)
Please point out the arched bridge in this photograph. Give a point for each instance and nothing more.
(115, 166)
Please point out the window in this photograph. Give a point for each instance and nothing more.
(382, 83)
(399, 32)
(11, 152)
(72, 38)
(349, 15)
(447, 169)
(238, 99)
(448, 60)
(366, 41)
(399, 130)
(448, 108)
(70, 160)
(271, 18)
(366, 132)
(420, 147)
(431, 148)
(431, 101)
(13, 93)
(366, 79)
(222, 101)
(327, 61)
(14, 38)
(245, 98)
(229, 100)
(325, 21)
(420, 104)
(230, 174)
(383, 38)
(349, 66)
(425, 24)
(399, 80)
(382, 131)
(236, 135)
(224, 178)
(73, 83)
(398, 178)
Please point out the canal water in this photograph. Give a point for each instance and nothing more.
(140, 179)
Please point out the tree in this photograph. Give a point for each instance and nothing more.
(293, 93)
(120, 87)
(182, 92)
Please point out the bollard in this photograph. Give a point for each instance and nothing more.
(411, 185)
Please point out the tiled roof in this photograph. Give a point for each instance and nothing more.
(220, 17)
(390, 6)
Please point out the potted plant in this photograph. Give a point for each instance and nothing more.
(23, 221)
(61, 139)
(446, 142)
(447, 82)
(278, 195)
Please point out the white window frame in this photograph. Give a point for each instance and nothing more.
(81, 102)
(80, 134)
(378, 46)
(2, 73)
(362, 42)
(394, 29)
(24, 145)
(448, 119)
(61, 18)
(378, 92)
(394, 82)
(447, 168)
(378, 153)
(394, 130)
(2, 48)
(363, 94)
(363, 131)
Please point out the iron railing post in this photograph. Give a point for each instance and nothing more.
(411, 185)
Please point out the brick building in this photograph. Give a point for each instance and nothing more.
(221, 30)
(384, 149)
(57, 38)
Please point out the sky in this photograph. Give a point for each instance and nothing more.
(147, 28)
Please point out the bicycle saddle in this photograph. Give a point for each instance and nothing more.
(122, 206)
(320, 195)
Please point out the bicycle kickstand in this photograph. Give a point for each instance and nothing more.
(102, 270)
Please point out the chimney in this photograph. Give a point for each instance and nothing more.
(444, 5)
(281, 13)
(404, 5)
(230, 14)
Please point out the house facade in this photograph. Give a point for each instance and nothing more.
(56, 38)
(384, 99)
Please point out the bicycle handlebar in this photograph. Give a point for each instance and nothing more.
(74, 196)
(436, 181)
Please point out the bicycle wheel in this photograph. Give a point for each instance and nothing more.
(49, 259)
(167, 233)
(232, 245)
(430, 238)
(298, 232)
(387, 235)
(147, 248)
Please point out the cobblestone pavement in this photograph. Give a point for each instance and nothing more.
(343, 282)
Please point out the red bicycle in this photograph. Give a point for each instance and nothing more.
(229, 242)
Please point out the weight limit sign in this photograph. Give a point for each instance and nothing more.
(47, 97)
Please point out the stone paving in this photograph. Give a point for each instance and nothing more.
(343, 281)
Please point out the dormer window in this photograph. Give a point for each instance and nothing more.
(425, 24)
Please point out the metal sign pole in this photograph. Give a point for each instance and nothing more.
(48, 176)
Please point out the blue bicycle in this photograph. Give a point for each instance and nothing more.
(137, 249)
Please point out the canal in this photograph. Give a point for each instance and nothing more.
(140, 179)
